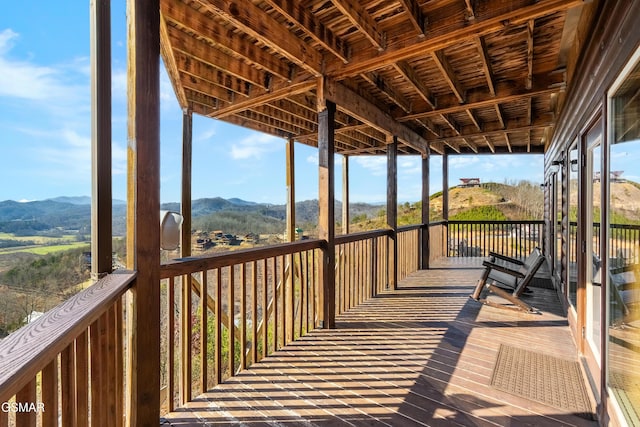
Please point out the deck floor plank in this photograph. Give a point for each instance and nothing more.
(423, 356)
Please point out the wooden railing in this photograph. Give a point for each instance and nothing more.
(224, 312)
(409, 248)
(68, 365)
(515, 239)
(362, 267)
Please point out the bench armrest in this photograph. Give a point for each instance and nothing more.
(492, 266)
(506, 258)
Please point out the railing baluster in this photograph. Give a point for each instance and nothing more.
(171, 332)
(276, 312)
(265, 310)
(232, 320)
(217, 315)
(49, 394)
(243, 316)
(28, 395)
(186, 340)
(254, 312)
(204, 332)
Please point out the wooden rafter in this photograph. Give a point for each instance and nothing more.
(474, 119)
(397, 49)
(265, 98)
(489, 143)
(530, 30)
(295, 12)
(413, 12)
(170, 64)
(368, 113)
(223, 90)
(445, 68)
(362, 21)
(252, 20)
(387, 90)
(470, 9)
(186, 50)
(485, 62)
(411, 77)
(504, 94)
(508, 141)
(184, 17)
(491, 130)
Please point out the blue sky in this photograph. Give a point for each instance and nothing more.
(45, 133)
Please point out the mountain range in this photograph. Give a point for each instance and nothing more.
(74, 213)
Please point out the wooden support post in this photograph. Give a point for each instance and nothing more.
(185, 251)
(425, 252)
(291, 191)
(392, 209)
(187, 155)
(345, 195)
(326, 221)
(101, 216)
(143, 210)
(445, 187)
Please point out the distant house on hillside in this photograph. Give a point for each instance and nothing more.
(614, 176)
(469, 182)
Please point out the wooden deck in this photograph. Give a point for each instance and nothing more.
(423, 355)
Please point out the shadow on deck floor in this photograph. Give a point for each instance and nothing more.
(423, 355)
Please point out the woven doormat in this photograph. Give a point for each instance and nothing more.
(546, 379)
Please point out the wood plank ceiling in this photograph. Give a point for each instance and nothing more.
(461, 76)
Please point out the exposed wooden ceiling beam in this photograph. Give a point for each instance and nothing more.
(410, 75)
(361, 19)
(218, 81)
(187, 18)
(438, 147)
(399, 48)
(471, 146)
(530, 30)
(252, 20)
(504, 93)
(365, 111)
(455, 147)
(209, 89)
(387, 90)
(293, 120)
(489, 143)
(485, 62)
(474, 119)
(499, 114)
(508, 140)
(412, 10)
(266, 98)
(294, 12)
(449, 75)
(203, 99)
(170, 64)
(202, 52)
(491, 129)
(470, 9)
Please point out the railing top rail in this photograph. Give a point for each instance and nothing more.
(27, 351)
(411, 227)
(534, 221)
(619, 226)
(363, 235)
(179, 266)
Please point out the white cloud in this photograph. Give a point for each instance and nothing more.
(206, 134)
(377, 165)
(255, 146)
(313, 159)
(49, 85)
